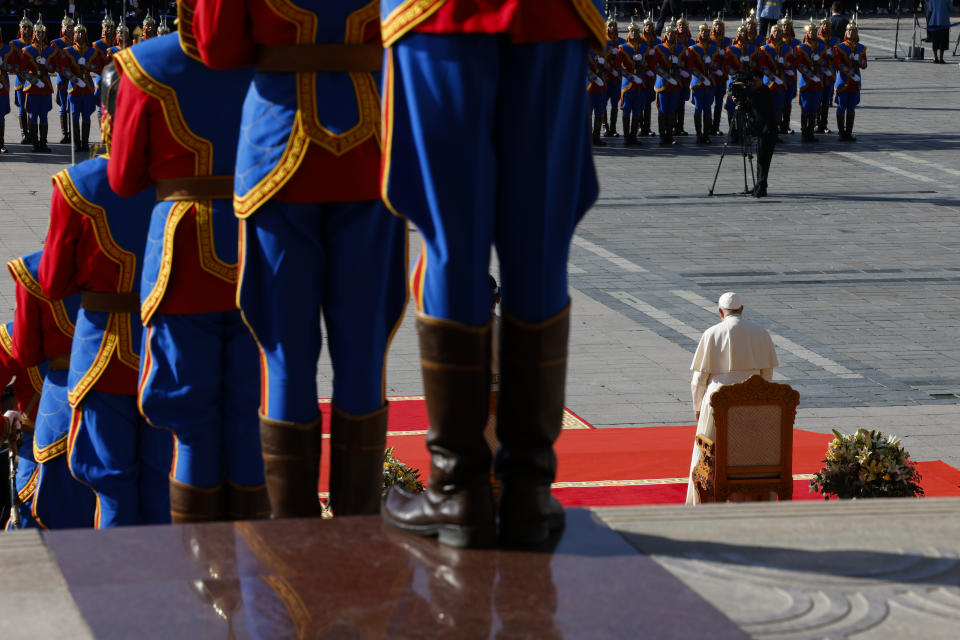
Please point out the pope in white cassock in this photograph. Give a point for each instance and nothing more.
(729, 352)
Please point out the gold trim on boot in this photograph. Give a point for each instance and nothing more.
(456, 506)
(357, 444)
(533, 371)
(195, 504)
(246, 503)
(291, 463)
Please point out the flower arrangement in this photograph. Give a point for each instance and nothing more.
(867, 464)
(396, 472)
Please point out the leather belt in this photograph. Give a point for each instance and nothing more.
(195, 188)
(59, 363)
(103, 302)
(316, 58)
(26, 425)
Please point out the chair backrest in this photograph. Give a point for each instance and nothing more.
(754, 436)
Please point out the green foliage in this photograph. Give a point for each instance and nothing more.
(397, 473)
(867, 464)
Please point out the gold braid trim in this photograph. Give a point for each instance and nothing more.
(50, 451)
(107, 346)
(18, 270)
(24, 494)
(407, 16)
(152, 301)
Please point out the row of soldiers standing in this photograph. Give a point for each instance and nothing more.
(67, 67)
(249, 190)
(632, 74)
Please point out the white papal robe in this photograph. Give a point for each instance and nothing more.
(729, 352)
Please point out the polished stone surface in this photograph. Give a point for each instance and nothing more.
(352, 577)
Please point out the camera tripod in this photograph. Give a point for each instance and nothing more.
(746, 151)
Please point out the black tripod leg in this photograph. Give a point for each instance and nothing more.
(723, 153)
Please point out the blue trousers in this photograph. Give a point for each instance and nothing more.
(4, 106)
(597, 103)
(612, 94)
(20, 100)
(667, 102)
(779, 98)
(62, 96)
(27, 473)
(847, 101)
(113, 450)
(198, 379)
(826, 96)
(345, 261)
(83, 106)
(59, 501)
(38, 107)
(702, 99)
(474, 160)
(809, 101)
(631, 102)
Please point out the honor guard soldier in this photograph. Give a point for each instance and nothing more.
(699, 64)
(611, 76)
(770, 59)
(789, 51)
(650, 41)
(27, 387)
(738, 57)
(684, 42)
(37, 60)
(597, 93)
(510, 191)
(198, 367)
(65, 41)
(108, 35)
(719, 78)
(315, 237)
(754, 37)
(122, 41)
(8, 62)
(94, 248)
(667, 86)
(809, 82)
(631, 62)
(83, 60)
(43, 334)
(827, 73)
(849, 57)
(164, 28)
(19, 97)
(149, 27)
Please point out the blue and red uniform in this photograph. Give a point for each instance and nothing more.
(27, 387)
(13, 58)
(94, 248)
(43, 333)
(612, 79)
(828, 56)
(719, 74)
(667, 84)
(631, 62)
(809, 83)
(8, 62)
(315, 236)
(38, 61)
(198, 368)
(770, 60)
(699, 63)
(848, 59)
(64, 79)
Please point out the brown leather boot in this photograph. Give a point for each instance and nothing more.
(193, 504)
(291, 462)
(357, 444)
(246, 503)
(456, 506)
(533, 371)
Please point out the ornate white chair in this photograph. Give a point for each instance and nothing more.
(751, 455)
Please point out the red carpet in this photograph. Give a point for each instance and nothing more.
(627, 466)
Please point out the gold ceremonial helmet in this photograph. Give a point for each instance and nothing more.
(648, 19)
(78, 30)
(852, 26)
(810, 27)
(633, 28)
(786, 20)
(164, 27)
(107, 20)
(704, 28)
(752, 17)
(683, 21)
(38, 26)
(148, 20)
(671, 27)
(67, 20)
(719, 18)
(612, 22)
(25, 21)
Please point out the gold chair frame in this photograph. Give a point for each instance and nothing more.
(714, 479)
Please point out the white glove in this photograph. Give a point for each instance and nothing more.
(13, 422)
(41, 60)
(635, 79)
(745, 58)
(856, 56)
(856, 77)
(777, 80)
(671, 81)
(616, 74)
(827, 72)
(650, 73)
(40, 84)
(780, 59)
(674, 59)
(816, 57)
(816, 78)
(790, 72)
(707, 59)
(81, 84)
(684, 73)
(82, 60)
(706, 82)
(718, 73)
(638, 57)
(598, 82)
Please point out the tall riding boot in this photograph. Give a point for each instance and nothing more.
(457, 505)
(245, 503)
(291, 462)
(65, 127)
(533, 371)
(841, 129)
(3, 148)
(34, 137)
(193, 504)
(612, 122)
(25, 129)
(698, 126)
(85, 136)
(671, 127)
(634, 127)
(678, 120)
(850, 116)
(595, 133)
(787, 109)
(77, 143)
(626, 128)
(717, 108)
(647, 116)
(707, 127)
(805, 133)
(357, 444)
(662, 128)
(42, 129)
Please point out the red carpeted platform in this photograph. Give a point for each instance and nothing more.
(627, 466)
